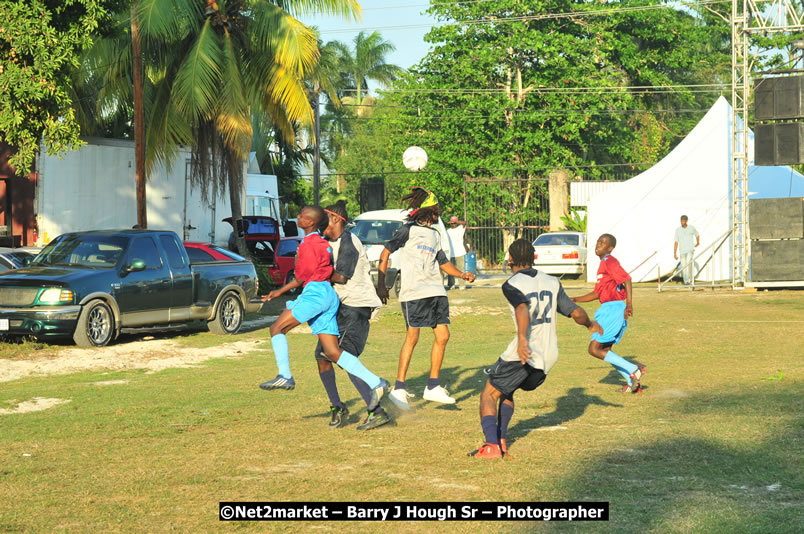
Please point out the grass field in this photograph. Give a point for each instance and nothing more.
(714, 443)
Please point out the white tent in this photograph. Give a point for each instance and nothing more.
(694, 179)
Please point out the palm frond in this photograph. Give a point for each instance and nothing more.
(232, 117)
(161, 20)
(348, 9)
(288, 41)
(199, 77)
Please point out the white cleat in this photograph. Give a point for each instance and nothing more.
(438, 394)
(400, 398)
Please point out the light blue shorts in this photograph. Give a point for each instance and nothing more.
(611, 317)
(317, 306)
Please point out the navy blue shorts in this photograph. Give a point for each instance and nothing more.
(426, 313)
(353, 324)
(507, 377)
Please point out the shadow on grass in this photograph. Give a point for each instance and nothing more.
(700, 484)
(462, 382)
(569, 407)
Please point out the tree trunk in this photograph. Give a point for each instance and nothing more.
(139, 122)
(235, 198)
(317, 153)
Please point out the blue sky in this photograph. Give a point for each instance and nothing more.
(398, 21)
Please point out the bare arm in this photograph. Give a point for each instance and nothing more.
(337, 278)
(629, 309)
(589, 297)
(582, 318)
(675, 249)
(451, 270)
(522, 318)
(293, 284)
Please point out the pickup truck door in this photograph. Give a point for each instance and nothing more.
(144, 296)
(181, 296)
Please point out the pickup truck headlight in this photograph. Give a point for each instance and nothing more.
(55, 295)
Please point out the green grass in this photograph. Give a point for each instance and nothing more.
(712, 445)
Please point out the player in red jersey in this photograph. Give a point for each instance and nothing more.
(613, 289)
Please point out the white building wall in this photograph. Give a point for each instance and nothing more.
(93, 189)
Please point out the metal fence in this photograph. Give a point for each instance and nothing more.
(500, 210)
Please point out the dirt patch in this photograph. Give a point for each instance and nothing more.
(37, 404)
(109, 383)
(454, 311)
(154, 355)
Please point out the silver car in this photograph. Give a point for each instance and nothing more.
(560, 253)
(14, 258)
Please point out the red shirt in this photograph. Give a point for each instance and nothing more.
(610, 277)
(314, 259)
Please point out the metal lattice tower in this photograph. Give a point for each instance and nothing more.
(749, 16)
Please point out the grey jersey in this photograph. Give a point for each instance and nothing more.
(544, 296)
(351, 262)
(421, 257)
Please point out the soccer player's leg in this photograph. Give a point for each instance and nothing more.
(435, 314)
(326, 372)
(399, 396)
(284, 378)
(349, 363)
(504, 378)
(611, 318)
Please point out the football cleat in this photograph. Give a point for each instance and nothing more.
(438, 394)
(374, 420)
(339, 415)
(634, 388)
(487, 450)
(280, 382)
(376, 394)
(637, 375)
(400, 398)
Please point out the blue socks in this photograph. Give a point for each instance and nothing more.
(399, 385)
(352, 365)
(365, 392)
(506, 413)
(489, 425)
(280, 344)
(623, 366)
(328, 379)
(433, 382)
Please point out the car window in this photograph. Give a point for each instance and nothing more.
(6, 264)
(171, 246)
(231, 255)
(545, 240)
(197, 255)
(288, 247)
(144, 248)
(84, 250)
(371, 232)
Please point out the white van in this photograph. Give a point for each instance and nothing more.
(375, 229)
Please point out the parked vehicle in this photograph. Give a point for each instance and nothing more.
(14, 258)
(201, 252)
(560, 253)
(282, 269)
(375, 229)
(92, 285)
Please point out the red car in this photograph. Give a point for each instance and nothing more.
(282, 259)
(201, 252)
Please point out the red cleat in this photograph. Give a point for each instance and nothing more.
(487, 450)
(636, 376)
(636, 388)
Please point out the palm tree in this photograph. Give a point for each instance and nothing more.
(211, 63)
(366, 62)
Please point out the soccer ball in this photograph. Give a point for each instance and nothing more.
(414, 158)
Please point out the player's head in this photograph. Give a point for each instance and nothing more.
(337, 218)
(684, 221)
(423, 206)
(605, 244)
(312, 219)
(521, 254)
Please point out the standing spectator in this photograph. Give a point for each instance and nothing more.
(687, 238)
(457, 238)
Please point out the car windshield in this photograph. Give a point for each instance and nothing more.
(20, 258)
(93, 251)
(556, 239)
(375, 232)
(229, 254)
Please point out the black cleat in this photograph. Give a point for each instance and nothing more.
(338, 416)
(374, 420)
(280, 382)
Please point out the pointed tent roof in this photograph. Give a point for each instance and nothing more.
(694, 179)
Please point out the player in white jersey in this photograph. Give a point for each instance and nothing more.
(352, 282)
(534, 298)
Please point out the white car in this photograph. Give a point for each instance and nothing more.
(375, 229)
(560, 253)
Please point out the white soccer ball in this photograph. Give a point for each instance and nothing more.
(414, 158)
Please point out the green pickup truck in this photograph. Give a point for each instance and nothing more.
(92, 285)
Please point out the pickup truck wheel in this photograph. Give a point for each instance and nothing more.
(397, 285)
(95, 325)
(229, 316)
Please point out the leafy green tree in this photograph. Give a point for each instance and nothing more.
(366, 61)
(40, 43)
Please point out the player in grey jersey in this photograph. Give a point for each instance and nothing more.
(534, 298)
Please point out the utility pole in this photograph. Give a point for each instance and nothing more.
(139, 121)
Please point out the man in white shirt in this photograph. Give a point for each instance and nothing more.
(456, 237)
(687, 238)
